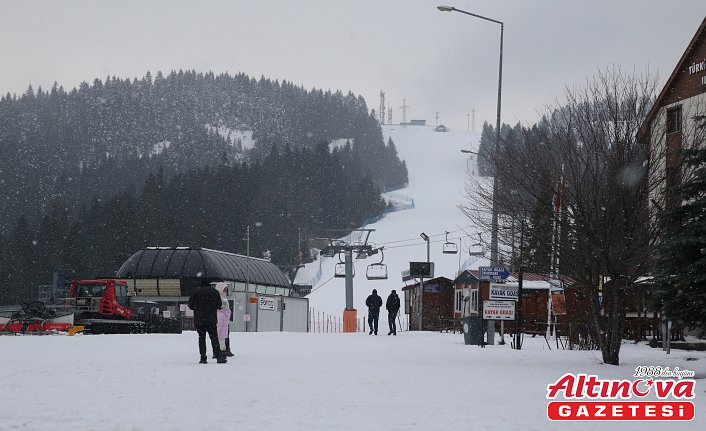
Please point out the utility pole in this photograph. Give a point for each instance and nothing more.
(404, 111)
(381, 112)
(247, 272)
(299, 242)
(389, 115)
(469, 122)
(247, 262)
(518, 314)
(425, 237)
(473, 123)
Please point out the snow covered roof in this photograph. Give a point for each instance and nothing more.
(437, 280)
(187, 262)
(530, 280)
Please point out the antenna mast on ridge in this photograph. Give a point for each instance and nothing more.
(404, 111)
(381, 111)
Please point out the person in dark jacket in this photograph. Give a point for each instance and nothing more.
(374, 302)
(205, 301)
(393, 306)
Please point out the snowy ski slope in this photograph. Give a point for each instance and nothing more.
(437, 175)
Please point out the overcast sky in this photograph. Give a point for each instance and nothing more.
(438, 62)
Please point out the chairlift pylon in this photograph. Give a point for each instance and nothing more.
(378, 270)
(449, 247)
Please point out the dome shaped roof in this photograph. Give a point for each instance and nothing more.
(187, 262)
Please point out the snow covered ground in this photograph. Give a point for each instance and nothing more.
(437, 175)
(302, 382)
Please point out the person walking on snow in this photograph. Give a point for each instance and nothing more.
(393, 306)
(205, 301)
(223, 321)
(374, 302)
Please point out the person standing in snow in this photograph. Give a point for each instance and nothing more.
(205, 301)
(393, 306)
(374, 302)
(223, 321)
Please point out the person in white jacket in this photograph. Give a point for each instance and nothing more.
(224, 320)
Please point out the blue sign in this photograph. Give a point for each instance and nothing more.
(493, 273)
(432, 288)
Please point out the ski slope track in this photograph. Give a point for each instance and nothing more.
(437, 177)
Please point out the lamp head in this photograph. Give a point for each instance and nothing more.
(424, 236)
(446, 8)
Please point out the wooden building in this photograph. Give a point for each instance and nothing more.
(438, 303)
(566, 303)
(677, 119)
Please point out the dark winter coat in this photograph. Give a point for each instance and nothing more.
(205, 301)
(374, 302)
(393, 303)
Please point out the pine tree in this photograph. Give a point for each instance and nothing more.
(486, 151)
(680, 272)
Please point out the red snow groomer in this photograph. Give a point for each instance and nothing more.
(104, 307)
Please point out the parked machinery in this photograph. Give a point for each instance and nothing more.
(105, 307)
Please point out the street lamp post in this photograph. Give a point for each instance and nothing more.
(494, 222)
(425, 237)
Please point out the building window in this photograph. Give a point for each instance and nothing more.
(473, 301)
(466, 301)
(674, 120)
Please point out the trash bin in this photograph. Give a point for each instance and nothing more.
(472, 330)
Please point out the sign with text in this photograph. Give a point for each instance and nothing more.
(432, 288)
(421, 269)
(499, 310)
(559, 303)
(503, 292)
(266, 303)
(493, 273)
(697, 67)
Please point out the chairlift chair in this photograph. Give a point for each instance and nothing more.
(449, 247)
(328, 252)
(476, 250)
(377, 271)
(340, 269)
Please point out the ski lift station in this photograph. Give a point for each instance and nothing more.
(260, 294)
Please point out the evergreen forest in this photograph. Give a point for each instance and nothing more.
(92, 175)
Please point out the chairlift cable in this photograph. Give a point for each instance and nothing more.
(430, 236)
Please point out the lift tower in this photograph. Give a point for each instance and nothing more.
(362, 250)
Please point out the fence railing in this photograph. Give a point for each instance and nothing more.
(321, 322)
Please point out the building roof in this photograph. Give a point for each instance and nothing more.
(436, 280)
(643, 132)
(528, 278)
(187, 262)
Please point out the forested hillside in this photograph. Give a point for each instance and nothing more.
(96, 140)
(91, 175)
